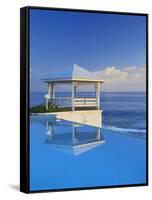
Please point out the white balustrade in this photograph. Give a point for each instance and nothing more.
(67, 101)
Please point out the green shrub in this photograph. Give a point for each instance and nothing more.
(41, 108)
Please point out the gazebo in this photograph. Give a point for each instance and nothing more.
(77, 77)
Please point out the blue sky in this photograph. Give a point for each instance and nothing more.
(97, 42)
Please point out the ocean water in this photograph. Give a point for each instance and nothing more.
(121, 111)
(67, 155)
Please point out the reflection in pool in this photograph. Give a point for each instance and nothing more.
(76, 141)
(69, 155)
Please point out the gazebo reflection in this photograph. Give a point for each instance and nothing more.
(76, 140)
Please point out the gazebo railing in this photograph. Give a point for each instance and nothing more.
(78, 102)
(82, 102)
(62, 102)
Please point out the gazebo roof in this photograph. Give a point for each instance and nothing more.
(77, 149)
(76, 73)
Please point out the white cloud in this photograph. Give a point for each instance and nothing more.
(130, 78)
(127, 79)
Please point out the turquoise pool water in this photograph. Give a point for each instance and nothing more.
(67, 155)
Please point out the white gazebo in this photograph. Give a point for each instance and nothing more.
(76, 77)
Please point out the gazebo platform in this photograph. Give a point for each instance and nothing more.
(84, 117)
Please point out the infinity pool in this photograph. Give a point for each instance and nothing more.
(68, 155)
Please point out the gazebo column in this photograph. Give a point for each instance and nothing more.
(97, 88)
(52, 90)
(75, 89)
(74, 85)
(49, 94)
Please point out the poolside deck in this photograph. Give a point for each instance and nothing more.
(84, 117)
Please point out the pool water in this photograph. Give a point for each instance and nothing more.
(69, 155)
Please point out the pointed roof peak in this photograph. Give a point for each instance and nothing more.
(75, 73)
